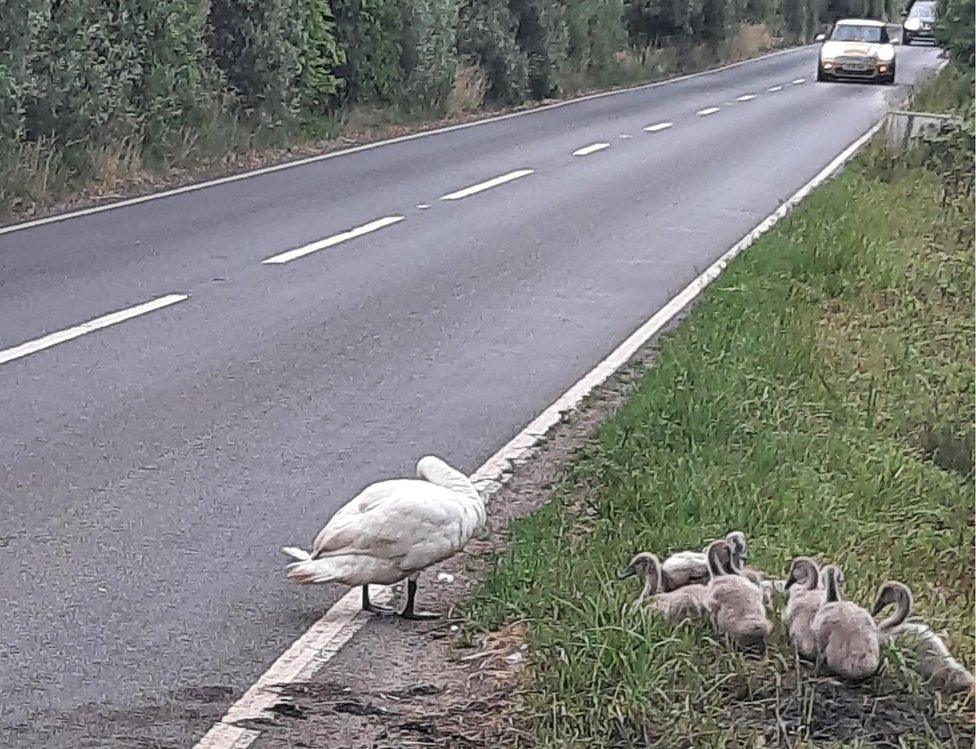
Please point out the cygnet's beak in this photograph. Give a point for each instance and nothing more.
(879, 605)
(629, 572)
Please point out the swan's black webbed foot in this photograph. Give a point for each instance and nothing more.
(408, 610)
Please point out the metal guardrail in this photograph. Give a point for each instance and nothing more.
(903, 127)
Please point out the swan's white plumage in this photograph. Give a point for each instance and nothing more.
(394, 529)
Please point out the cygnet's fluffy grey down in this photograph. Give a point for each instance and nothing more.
(805, 598)
(687, 602)
(735, 603)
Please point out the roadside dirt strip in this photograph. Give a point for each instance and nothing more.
(400, 684)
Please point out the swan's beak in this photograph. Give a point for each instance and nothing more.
(790, 580)
(629, 572)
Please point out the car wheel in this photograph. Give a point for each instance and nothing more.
(820, 75)
(906, 39)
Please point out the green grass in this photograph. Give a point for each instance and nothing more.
(820, 398)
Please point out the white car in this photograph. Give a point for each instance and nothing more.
(857, 49)
(919, 22)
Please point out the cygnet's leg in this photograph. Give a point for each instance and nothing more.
(373, 608)
(408, 612)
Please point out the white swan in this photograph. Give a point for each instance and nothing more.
(392, 530)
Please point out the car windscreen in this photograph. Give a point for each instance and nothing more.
(923, 11)
(851, 33)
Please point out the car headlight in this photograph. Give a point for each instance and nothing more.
(886, 55)
(913, 24)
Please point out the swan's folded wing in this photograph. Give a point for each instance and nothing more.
(390, 529)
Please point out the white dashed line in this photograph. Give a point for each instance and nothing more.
(287, 257)
(114, 318)
(707, 111)
(774, 89)
(798, 81)
(658, 127)
(746, 97)
(624, 136)
(593, 148)
(482, 186)
(423, 206)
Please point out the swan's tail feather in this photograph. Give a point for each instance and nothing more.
(436, 471)
(311, 572)
(295, 553)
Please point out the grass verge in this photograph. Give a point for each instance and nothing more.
(820, 397)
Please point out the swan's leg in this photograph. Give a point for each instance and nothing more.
(371, 607)
(408, 612)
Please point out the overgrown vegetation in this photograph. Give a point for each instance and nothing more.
(94, 94)
(820, 398)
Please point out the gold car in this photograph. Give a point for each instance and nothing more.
(857, 49)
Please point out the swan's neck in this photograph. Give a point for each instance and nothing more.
(652, 582)
(833, 592)
(903, 609)
(813, 580)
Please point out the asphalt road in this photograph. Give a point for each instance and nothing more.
(151, 470)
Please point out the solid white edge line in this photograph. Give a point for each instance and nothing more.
(707, 111)
(487, 184)
(68, 334)
(387, 142)
(308, 249)
(658, 127)
(592, 148)
(344, 619)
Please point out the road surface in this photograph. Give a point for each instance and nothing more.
(151, 469)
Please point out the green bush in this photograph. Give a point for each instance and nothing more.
(955, 33)
(173, 92)
(429, 53)
(369, 33)
(321, 58)
(487, 34)
(258, 46)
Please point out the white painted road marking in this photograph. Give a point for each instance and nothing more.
(707, 111)
(798, 81)
(482, 186)
(287, 257)
(344, 619)
(774, 89)
(746, 97)
(323, 640)
(658, 127)
(114, 318)
(587, 150)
